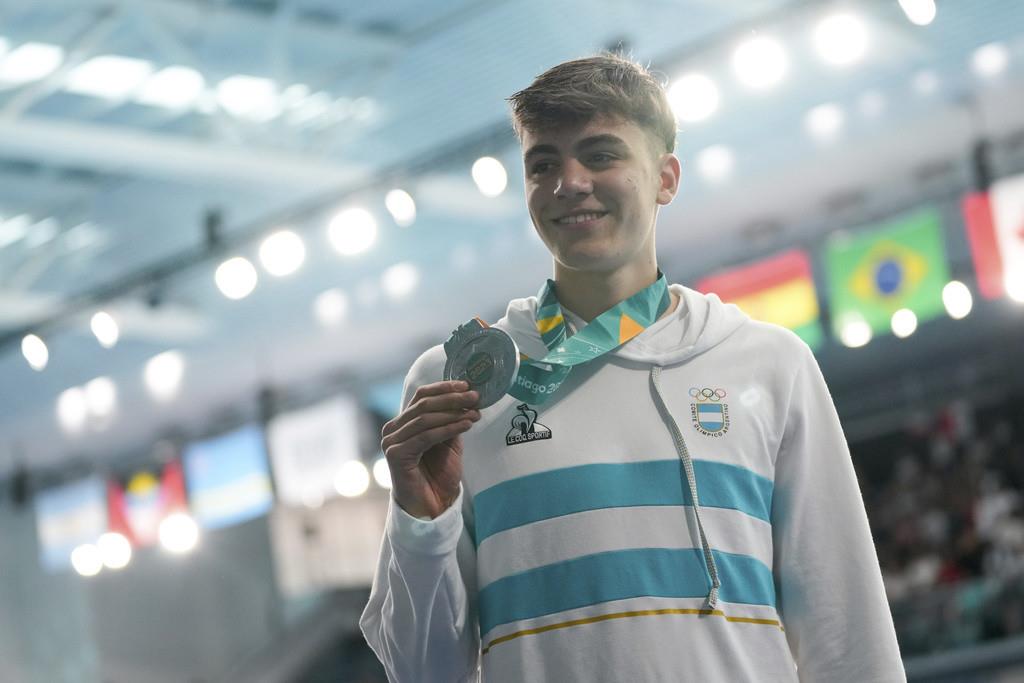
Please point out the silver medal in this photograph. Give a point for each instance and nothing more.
(485, 357)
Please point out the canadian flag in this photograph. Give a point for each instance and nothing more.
(995, 230)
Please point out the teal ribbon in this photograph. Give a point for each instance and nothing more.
(536, 384)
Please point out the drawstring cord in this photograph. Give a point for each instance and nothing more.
(684, 455)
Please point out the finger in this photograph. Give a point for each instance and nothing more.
(422, 423)
(435, 388)
(432, 404)
(422, 441)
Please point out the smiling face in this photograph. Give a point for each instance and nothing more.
(593, 191)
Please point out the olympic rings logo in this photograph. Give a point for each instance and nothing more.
(705, 394)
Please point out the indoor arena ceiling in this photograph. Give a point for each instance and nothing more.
(226, 120)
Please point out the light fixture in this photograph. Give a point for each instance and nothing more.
(35, 351)
(282, 253)
(399, 280)
(920, 12)
(760, 62)
(693, 97)
(249, 97)
(903, 323)
(854, 332)
(163, 374)
(352, 479)
(30, 62)
(382, 473)
(72, 409)
(841, 39)
(178, 533)
(490, 176)
(101, 396)
(352, 231)
(990, 60)
(715, 163)
(108, 76)
(87, 560)
(105, 328)
(824, 121)
(957, 299)
(236, 278)
(115, 550)
(174, 87)
(401, 206)
(330, 307)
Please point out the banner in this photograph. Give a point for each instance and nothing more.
(137, 504)
(308, 446)
(227, 478)
(333, 546)
(898, 264)
(66, 517)
(994, 222)
(777, 290)
(1008, 217)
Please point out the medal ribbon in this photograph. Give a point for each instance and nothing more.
(536, 384)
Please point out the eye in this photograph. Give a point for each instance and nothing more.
(602, 158)
(541, 167)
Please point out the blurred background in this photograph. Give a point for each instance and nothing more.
(227, 227)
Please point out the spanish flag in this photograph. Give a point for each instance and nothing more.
(777, 290)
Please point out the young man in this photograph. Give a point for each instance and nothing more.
(677, 503)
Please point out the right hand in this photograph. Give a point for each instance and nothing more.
(423, 447)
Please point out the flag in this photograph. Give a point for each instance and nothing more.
(895, 265)
(976, 208)
(227, 478)
(66, 517)
(137, 504)
(1008, 218)
(777, 290)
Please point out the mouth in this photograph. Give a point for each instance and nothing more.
(581, 219)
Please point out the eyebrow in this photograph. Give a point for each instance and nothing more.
(601, 139)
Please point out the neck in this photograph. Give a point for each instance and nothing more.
(589, 294)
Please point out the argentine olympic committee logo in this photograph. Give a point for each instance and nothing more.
(709, 415)
(525, 427)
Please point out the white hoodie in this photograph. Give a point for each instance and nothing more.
(574, 552)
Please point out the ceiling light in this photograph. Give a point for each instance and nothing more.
(330, 307)
(352, 231)
(72, 409)
(14, 229)
(87, 560)
(715, 163)
(115, 550)
(282, 253)
(694, 97)
(401, 206)
(101, 396)
(920, 12)
(903, 322)
(957, 299)
(490, 176)
(841, 39)
(30, 62)
(178, 533)
(236, 278)
(109, 76)
(824, 121)
(352, 479)
(105, 328)
(760, 62)
(382, 473)
(400, 280)
(163, 374)
(249, 97)
(35, 351)
(990, 60)
(175, 87)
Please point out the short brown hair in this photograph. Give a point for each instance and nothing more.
(576, 91)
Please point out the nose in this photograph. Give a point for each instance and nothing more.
(574, 181)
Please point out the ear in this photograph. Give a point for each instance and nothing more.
(669, 171)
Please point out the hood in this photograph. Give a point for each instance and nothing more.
(699, 322)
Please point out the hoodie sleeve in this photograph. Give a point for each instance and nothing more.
(421, 617)
(828, 582)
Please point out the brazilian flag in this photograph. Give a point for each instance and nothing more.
(894, 265)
